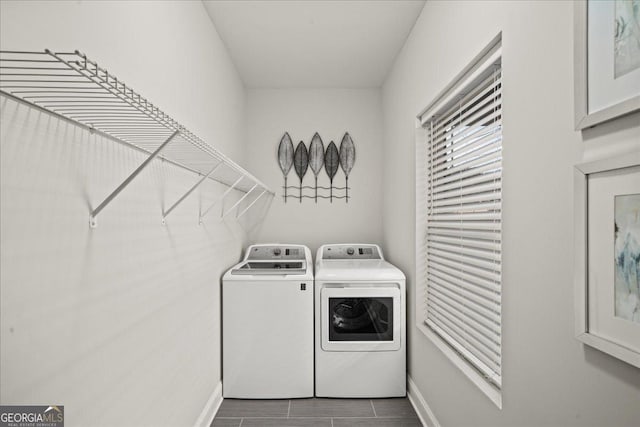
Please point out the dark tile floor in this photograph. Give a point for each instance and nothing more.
(317, 412)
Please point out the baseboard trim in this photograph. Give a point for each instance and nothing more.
(426, 415)
(210, 408)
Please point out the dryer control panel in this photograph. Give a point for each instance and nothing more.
(351, 251)
(275, 252)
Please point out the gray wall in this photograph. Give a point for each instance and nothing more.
(549, 377)
(119, 323)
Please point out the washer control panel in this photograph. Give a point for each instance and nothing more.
(351, 252)
(276, 252)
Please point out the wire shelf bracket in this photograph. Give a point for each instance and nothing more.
(251, 204)
(239, 201)
(93, 221)
(221, 198)
(76, 89)
(191, 190)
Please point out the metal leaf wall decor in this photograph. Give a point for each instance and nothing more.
(331, 162)
(301, 163)
(285, 158)
(317, 158)
(347, 159)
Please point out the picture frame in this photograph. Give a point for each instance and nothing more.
(596, 324)
(600, 96)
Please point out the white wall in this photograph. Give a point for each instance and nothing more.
(331, 113)
(120, 323)
(549, 378)
(168, 51)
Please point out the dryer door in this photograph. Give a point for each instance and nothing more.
(360, 318)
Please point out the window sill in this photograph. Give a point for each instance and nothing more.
(478, 380)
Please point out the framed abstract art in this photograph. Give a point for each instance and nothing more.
(606, 60)
(607, 256)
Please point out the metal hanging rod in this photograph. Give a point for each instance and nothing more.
(78, 90)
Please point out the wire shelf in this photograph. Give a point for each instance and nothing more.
(75, 88)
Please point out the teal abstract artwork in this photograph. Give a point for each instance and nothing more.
(626, 37)
(627, 257)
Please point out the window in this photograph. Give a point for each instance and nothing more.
(459, 221)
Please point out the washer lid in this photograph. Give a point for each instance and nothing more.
(357, 271)
(270, 267)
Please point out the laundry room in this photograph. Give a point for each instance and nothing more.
(320, 213)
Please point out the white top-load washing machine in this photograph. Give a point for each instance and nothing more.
(267, 324)
(360, 318)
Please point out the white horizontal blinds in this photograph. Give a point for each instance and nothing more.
(422, 184)
(463, 233)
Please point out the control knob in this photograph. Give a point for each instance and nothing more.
(277, 251)
(350, 251)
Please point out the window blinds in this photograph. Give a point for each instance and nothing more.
(463, 230)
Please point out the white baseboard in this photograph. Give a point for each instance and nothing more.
(211, 408)
(426, 415)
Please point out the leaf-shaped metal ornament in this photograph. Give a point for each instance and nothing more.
(347, 159)
(285, 154)
(316, 158)
(331, 164)
(285, 158)
(301, 163)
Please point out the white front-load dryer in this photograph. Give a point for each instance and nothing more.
(267, 324)
(360, 318)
